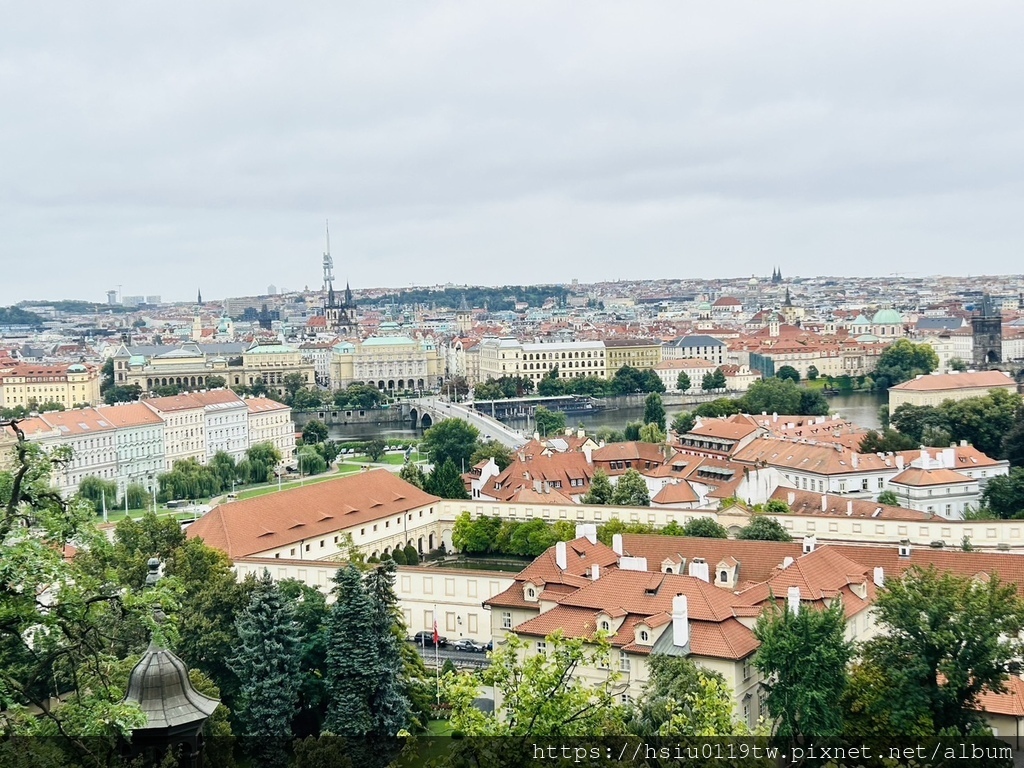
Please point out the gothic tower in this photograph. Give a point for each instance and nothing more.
(987, 327)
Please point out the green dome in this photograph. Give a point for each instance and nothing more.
(887, 317)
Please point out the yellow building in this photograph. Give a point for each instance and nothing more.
(508, 356)
(30, 385)
(271, 363)
(934, 388)
(191, 366)
(390, 363)
(636, 353)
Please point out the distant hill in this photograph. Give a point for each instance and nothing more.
(18, 316)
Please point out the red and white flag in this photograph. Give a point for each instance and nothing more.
(437, 637)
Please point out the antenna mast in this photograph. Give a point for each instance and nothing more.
(329, 269)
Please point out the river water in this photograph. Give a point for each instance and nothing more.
(859, 407)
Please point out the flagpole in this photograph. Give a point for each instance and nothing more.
(437, 661)
(103, 495)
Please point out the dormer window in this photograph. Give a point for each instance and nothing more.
(531, 592)
(606, 625)
(723, 576)
(645, 636)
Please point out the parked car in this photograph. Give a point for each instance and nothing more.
(425, 639)
(470, 646)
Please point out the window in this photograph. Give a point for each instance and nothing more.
(506, 619)
(623, 661)
(531, 592)
(542, 646)
(624, 699)
(881, 482)
(606, 626)
(746, 668)
(645, 636)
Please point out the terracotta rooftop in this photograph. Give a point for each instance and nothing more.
(248, 527)
(949, 381)
(809, 503)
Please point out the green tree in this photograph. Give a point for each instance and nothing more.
(945, 639)
(762, 528)
(813, 403)
(307, 399)
(1013, 443)
(722, 406)
(803, 659)
(223, 465)
(216, 382)
(100, 493)
(788, 372)
(683, 422)
(532, 538)
(776, 507)
(650, 433)
(683, 382)
(654, 411)
(956, 364)
(913, 420)
(601, 491)
(452, 439)
(475, 536)
(446, 482)
(708, 382)
(412, 473)
(549, 423)
(263, 457)
(138, 496)
(122, 394)
(412, 556)
(982, 421)
(293, 382)
(543, 694)
(311, 462)
(551, 385)
(772, 395)
(888, 497)
(71, 643)
(266, 661)
(903, 360)
(890, 441)
(812, 373)
(364, 668)
(718, 379)
(632, 430)
(501, 454)
(631, 490)
(314, 431)
(705, 527)
(375, 449)
(1004, 495)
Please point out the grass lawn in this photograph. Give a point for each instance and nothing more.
(272, 488)
(397, 459)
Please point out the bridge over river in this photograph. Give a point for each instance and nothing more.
(427, 411)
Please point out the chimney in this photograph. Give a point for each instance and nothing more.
(587, 531)
(879, 576)
(536, 486)
(899, 462)
(632, 563)
(810, 542)
(580, 434)
(791, 498)
(904, 548)
(786, 562)
(849, 507)
(617, 544)
(854, 460)
(536, 436)
(588, 451)
(595, 571)
(793, 599)
(699, 569)
(775, 416)
(949, 458)
(824, 503)
(581, 531)
(561, 558)
(680, 621)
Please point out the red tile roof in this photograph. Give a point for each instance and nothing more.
(247, 527)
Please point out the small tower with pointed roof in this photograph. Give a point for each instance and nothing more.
(175, 711)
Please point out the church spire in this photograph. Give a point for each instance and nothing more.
(199, 298)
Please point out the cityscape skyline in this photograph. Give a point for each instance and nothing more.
(505, 144)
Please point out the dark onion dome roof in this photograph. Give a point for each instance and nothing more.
(159, 684)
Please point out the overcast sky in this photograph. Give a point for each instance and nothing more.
(168, 146)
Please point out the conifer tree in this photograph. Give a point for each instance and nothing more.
(601, 490)
(266, 661)
(351, 665)
(446, 482)
(389, 700)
